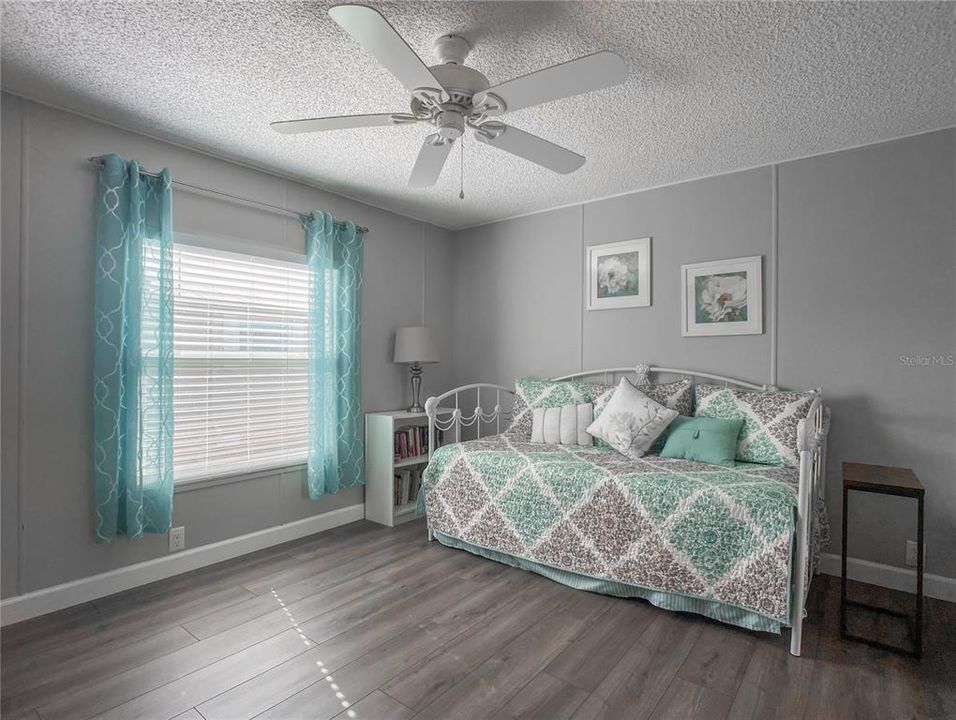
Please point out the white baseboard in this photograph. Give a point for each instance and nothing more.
(75, 592)
(890, 576)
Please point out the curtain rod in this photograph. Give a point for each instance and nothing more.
(247, 201)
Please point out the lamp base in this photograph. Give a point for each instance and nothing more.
(415, 371)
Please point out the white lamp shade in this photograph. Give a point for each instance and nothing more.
(415, 344)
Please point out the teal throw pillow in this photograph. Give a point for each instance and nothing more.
(703, 439)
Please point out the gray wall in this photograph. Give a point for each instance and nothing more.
(46, 302)
(867, 272)
(727, 216)
(10, 127)
(518, 290)
(867, 256)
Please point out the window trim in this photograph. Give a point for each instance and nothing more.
(230, 478)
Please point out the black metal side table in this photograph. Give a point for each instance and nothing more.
(888, 481)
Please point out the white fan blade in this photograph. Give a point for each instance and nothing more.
(591, 72)
(431, 159)
(340, 122)
(530, 147)
(382, 41)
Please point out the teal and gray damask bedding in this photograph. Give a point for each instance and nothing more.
(684, 535)
(769, 434)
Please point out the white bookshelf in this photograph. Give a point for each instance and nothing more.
(381, 464)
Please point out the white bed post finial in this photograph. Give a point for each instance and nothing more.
(430, 413)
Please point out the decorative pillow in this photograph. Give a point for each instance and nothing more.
(677, 396)
(531, 393)
(769, 434)
(632, 421)
(703, 439)
(566, 425)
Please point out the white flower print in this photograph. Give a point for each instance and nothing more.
(723, 296)
(612, 274)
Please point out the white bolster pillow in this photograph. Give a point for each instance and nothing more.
(562, 425)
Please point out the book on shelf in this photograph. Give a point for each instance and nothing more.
(408, 483)
(412, 441)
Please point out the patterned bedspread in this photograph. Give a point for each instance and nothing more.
(718, 534)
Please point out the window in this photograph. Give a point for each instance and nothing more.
(240, 344)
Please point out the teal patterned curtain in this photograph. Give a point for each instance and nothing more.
(336, 446)
(133, 352)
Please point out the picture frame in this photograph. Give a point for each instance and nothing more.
(722, 297)
(619, 274)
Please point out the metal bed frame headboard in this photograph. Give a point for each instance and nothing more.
(454, 417)
(811, 445)
(642, 372)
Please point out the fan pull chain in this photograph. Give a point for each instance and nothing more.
(461, 169)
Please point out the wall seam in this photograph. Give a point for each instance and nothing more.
(424, 272)
(774, 274)
(582, 277)
(22, 311)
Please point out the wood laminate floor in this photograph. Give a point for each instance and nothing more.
(371, 623)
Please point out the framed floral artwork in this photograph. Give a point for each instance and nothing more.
(724, 297)
(619, 274)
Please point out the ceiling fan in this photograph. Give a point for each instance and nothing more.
(453, 97)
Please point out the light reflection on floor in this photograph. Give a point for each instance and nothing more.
(308, 643)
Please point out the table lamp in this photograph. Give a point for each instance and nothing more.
(414, 346)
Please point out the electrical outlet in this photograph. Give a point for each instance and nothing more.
(911, 553)
(177, 539)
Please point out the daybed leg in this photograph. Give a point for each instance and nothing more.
(796, 633)
(431, 535)
(803, 544)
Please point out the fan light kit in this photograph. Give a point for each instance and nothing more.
(454, 98)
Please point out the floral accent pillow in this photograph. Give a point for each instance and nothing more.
(769, 434)
(531, 393)
(677, 396)
(632, 421)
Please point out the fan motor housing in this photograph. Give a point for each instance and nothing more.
(461, 79)
(460, 82)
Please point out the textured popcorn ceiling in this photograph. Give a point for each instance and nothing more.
(713, 87)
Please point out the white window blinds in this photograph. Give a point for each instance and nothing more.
(240, 343)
